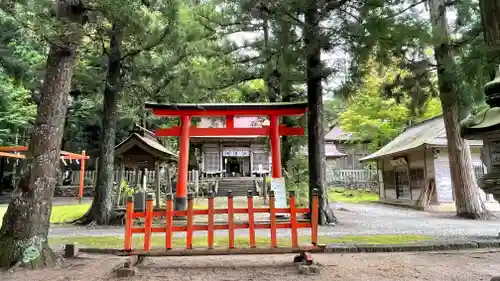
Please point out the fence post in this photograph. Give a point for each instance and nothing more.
(149, 222)
(265, 189)
(272, 218)
(129, 217)
(157, 184)
(210, 219)
(293, 220)
(189, 226)
(314, 217)
(82, 177)
(230, 218)
(196, 182)
(169, 179)
(169, 218)
(251, 219)
(119, 185)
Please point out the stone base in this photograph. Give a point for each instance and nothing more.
(71, 251)
(307, 269)
(128, 268)
(126, 272)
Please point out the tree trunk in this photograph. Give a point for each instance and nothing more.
(23, 236)
(2, 173)
(285, 64)
(490, 21)
(316, 139)
(101, 210)
(270, 76)
(467, 196)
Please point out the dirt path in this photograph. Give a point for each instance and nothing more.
(451, 266)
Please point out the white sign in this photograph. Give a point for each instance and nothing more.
(278, 186)
(236, 153)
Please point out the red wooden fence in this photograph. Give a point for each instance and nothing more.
(190, 227)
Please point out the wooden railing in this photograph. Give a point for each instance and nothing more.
(147, 229)
(345, 176)
(129, 176)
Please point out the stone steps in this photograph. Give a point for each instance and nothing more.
(238, 186)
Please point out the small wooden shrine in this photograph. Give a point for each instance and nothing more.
(141, 151)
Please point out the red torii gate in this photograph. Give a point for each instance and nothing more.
(6, 151)
(185, 111)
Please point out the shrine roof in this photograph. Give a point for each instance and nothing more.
(221, 109)
(429, 133)
(148, 144)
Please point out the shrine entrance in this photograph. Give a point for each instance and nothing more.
(234, 166)
(272, 111)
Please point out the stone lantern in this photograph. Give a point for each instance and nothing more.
(485, 126)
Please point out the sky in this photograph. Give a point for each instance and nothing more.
(337, 58)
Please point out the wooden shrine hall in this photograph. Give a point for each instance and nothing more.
(272, 111)
(141, 151)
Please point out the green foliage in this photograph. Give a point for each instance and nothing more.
(298, 179)
(371, 114)
(126, 189)
(17, 111)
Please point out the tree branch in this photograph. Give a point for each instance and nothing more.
(150, 46)
(331, 5)
(405, 9)
(228, 84)
(468, 38)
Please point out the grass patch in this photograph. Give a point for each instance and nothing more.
(340, 194)
(221, 241)
(60, 214)
(67, 213)
(3, 209)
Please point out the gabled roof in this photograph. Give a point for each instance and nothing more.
(337, 134)
(429, 133)
(148, 144)
(330, 151)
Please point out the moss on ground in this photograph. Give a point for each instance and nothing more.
(340, 194)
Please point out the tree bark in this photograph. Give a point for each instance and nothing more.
(2, 173)
(467, 197)
(23, 236)
(285, 63)
(490, 21)
(316, 140)
(101, 209)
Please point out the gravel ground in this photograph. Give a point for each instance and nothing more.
(451, 266)
(355, 219)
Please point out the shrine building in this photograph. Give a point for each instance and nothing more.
(233, 156)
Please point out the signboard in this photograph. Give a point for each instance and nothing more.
(278, 185)
(236, 153)
(398, 162)
(443, 180)
(494, 147)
